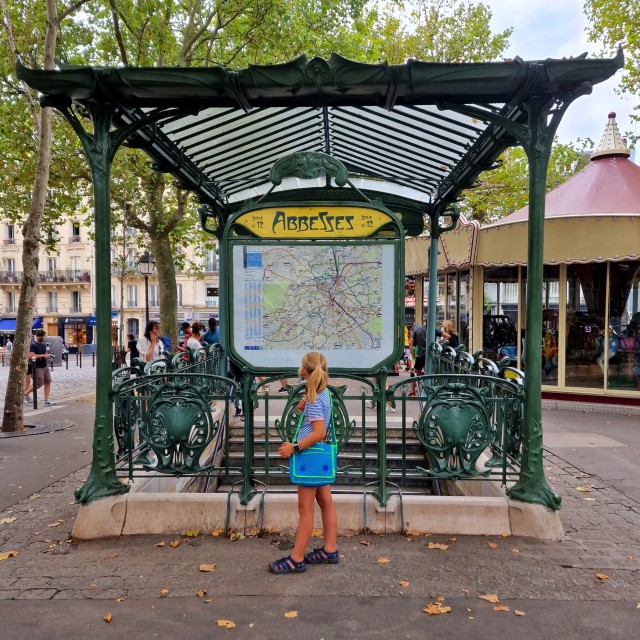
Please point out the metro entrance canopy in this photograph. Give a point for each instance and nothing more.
(413, 135)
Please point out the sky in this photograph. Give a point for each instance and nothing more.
(557, 29)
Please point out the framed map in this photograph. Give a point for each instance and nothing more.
(337, 298)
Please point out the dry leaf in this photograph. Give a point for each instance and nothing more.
(505, 535)
(413, 532)
(383, 560)
(193, 533)
(291, 614)
(174, 543)
(492, 545)
(255, 532)
(107, 618)
(366, 543)
(217, 532)
(437, 545)
(201, 593)
(403, 583)
(490, 597)
(120, 599)
(57, 523)
(435, 609)
(208, 600)
(164, 592)
(112, 555)
(316, 533)
(584, 489)
(514, 551)
(519, 613)
(161, 544)
(236, 536)
(501, 607)
(207, 568)
(8, 554)
(629, 557)
(226, 623)
(7, 520)
(251, 625)
(602, 576)
(440, 599)
(452, 540)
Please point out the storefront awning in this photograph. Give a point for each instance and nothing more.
(7, 325)
(37, 323)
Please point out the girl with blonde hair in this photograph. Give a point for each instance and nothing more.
(316, 405)
(449, 333)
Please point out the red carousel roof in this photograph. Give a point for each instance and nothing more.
(608, 185)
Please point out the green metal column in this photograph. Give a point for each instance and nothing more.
(532, 485)
(247, 491)
(100, 149)
(381, 493)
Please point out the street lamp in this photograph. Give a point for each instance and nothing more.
(145, 264)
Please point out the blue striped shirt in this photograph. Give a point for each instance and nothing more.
(320, 409)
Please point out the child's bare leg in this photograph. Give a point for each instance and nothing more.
(329, 518)
(306, 497)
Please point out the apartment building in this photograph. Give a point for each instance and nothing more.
(65, 302)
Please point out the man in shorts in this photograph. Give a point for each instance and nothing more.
(38, 350)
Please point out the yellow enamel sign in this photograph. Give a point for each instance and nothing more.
(314, 222)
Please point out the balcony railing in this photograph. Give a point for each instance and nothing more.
(53, 309)
(10, 277)
(64, 275)
(132, 303)
(75, 308)
(74, 239)
(10, 309)
(9, 240)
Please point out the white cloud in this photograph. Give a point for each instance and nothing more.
(546, 29)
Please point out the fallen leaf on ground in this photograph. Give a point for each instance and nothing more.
(228, 624)
(120, 599)
(452, 540)
(403, 583)
(217, 532)
(164, 592)
(207, 568)
(236, 536)
(492, 545)
(193, 533)
(7, 520)
(383, 560)
(57, 523)
(514, 551)
(291, 614)
(602, 576)
(435, 609)
(107, 618)
(174, 543)
(8, 554)
(161, 544)
(437, 545)
(112, 555)
(254, 533)
(584, 489)
(201, 593)
(519, 613)
(490, 597)
(316, 533)
(501, 607)
(413, 532)
(208, 600)
(629, 557)
(366, 543)
(251, 625)
(505, 535)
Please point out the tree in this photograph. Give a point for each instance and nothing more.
(505, 189)
(36, 155)
(614, 23)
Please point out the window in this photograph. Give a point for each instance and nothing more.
(76, 302)
(51, 264)
(211, 260)
(132, 295)
(75, 263)
(132, 259)
(11, 302)
(52, 302)
(10, 237)
(179, 296)
(75, 232)
(114, 304)
(154, 296)
(211, 302)
(133, 327)
(10, 265)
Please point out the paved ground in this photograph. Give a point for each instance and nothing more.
(556, 585)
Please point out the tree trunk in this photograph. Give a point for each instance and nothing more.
(167, 287)
(13, 408)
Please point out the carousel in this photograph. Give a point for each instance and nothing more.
(590, 342)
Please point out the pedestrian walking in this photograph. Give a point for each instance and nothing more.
(316, 405)
(38, 350)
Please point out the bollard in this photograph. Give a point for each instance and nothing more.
(77, 356)
(33, 382)
(80, 354)
(93, 358)
(67, 360)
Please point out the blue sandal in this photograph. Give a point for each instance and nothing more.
(320, 556)
(287, 565)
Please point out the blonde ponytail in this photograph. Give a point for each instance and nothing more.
(315, 364)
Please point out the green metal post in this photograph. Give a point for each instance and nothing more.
(100, 148)
(433, 293)
(532, 485)
(382, 492)
(247, 492)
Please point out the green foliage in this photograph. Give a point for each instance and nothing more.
(613, 23)
(505, 189)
